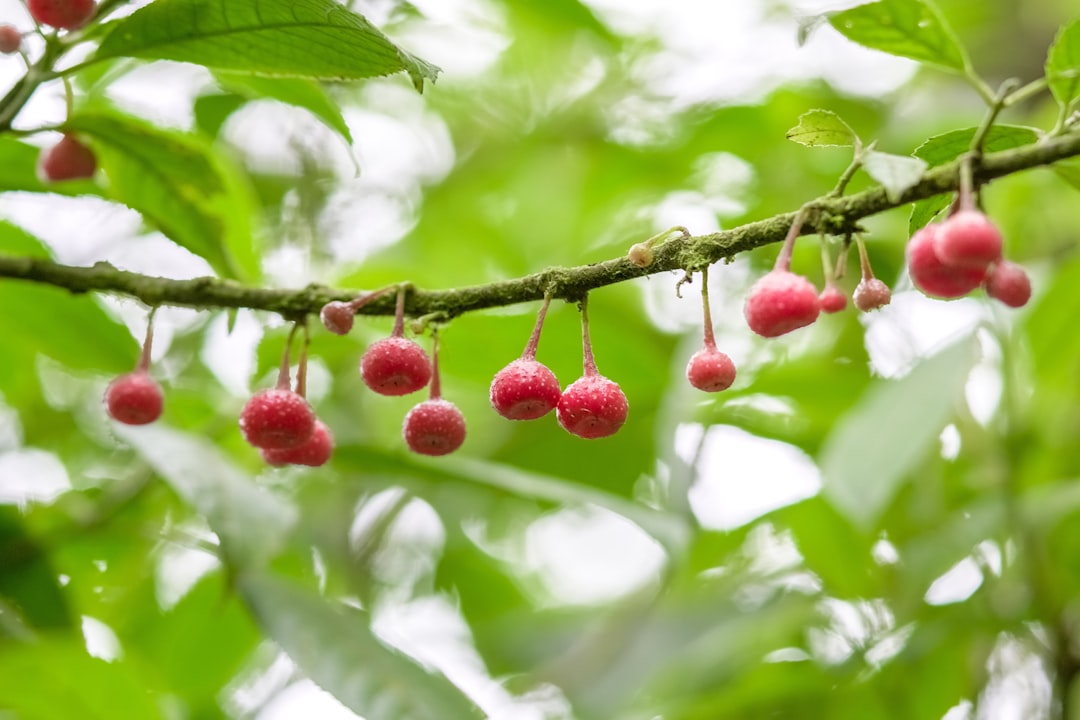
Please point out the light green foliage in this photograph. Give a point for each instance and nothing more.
(628, 578)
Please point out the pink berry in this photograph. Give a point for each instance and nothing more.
(68, 159)
(395, 366)
(338, 317)
(780, 302)
(592, 407)
(434, 427)
(968, 239)
(1008, 283)
(134, 399)
(10, 39)
(524, 390)
(831, 300)
(710, 370)
(933, 277)
(65, 14)
(871, 294)
(277, 419)
(313, 452)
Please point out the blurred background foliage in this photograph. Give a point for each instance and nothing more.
(879, 520)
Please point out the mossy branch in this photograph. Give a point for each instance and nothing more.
(836, 215)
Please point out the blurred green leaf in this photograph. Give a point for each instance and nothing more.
(333, 644)
(822, 128)
(1069, 171)
(28, 584)
(909, 28)
(179, 183)
(880, 440)
(299, 38)
(896, 173)
(1063, 65)
(301, 92)
(253, 523)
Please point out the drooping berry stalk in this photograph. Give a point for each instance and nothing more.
(534, 339)
(338, 316)
(435, 426)
(135, 398)
(709, 369)
(592, 406)
(279, 418)
(871, 293)
(526, 389)
(396, 365)
(588, 361)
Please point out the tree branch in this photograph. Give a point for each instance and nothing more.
(834, 215)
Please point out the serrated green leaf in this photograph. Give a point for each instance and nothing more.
(822, 128)
(1063, 65)
(892, 427)
(299, 38)
(896, 173)
(909, 28)
(946, 147)
(178, 183)
(252, 523)
(334, 645)
(300, 92)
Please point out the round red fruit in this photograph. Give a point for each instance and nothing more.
(338, 317)
(932, 276)
(871, 294)
(780, 302)
(1008, 283)
(968, 239)
(592, 407)
(314, 452)
(710, 370)
(68, 159)
(134, 399)
(277, 419)
(524, 390)
(831, 300)
(434, 427)
(64, 14)
(395, 366)
(10, 39)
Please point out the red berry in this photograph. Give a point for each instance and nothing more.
(338, 317)
(871, 294)
(313, 452)
(277, 419)
(968, 239)
(68, 159)
(831, 300)
(434, 427)
(65, 14)
(710, 370)
(1008, 283)
(933, 277)
(395, 366)
(134, 399)
(524, 390)
(780, 302)
(10, 39)
(592, 407)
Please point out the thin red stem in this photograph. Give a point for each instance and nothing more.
(783, 260)
(710, 340)
(144, 357)
(864, 260)
(399, 313)
(534, 339)
(436, 384)
(301, 370)
(361, 300)
(283, 373)
(586, 345)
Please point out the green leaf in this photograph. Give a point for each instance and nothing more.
(909, 28)
(252, 523)
(946, 147)
(1063, 65)
(822, 128)
(28, 583)
(178, 183)
(1069, 171)
(896, 173)
(18, 171)
(16, 241)
(889, 431)
(302, 93)
(298, 38)
(334, 645)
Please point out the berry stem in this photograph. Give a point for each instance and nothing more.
(361, 300)
(826, 262)
(301, 370)
(864, 260)
(534, 339)
(783, 260)
(436, 384)
(399, 312)
(283, 381)
(710, 339)
(144, 357)
(586, 344)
